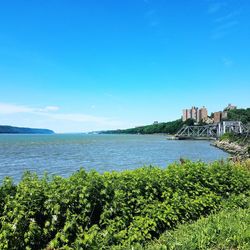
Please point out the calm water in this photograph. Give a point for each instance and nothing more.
(64, 154)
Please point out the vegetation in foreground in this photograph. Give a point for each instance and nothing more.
(226, 229)
(100, 211)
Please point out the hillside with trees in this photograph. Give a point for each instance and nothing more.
(163, 127)
(18, 130)
(242, 115)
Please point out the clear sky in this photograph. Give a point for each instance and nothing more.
(83, 65)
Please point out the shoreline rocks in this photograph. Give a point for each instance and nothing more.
(237, 151)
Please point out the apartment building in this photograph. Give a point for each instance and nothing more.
(222, 115)
(217, 116)
(202, 114)
(195, 114)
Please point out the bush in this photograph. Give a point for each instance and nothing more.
(228, 229)
(240, 139)
(94, 211)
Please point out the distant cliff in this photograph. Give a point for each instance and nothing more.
(18, 130)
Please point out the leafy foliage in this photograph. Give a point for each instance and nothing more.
(227, 229)
(164, 127)
(242, 115)
(96, 211)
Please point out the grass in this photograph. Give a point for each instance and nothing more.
(227, 229)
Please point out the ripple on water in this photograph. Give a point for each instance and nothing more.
(65, 154)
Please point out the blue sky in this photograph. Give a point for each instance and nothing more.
(88, 65)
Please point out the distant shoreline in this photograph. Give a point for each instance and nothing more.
(5, 129)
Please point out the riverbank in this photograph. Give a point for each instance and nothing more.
(90, 210)
(237, 146)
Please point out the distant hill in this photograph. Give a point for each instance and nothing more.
(17, 130)
(172, 127)
(164, 127)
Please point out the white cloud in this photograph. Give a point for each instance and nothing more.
(227, 17)
(49, 108)
(82, 118)
(227, 62)
(49, 117)
(215, 7)
(224, 29)
(153, 24)
(6, 108)
(227, 25)
(225, 22)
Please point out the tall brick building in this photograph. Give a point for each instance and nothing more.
(195, 114)
(186, 114)
(217, 116)
(202, 114)
(222, 115)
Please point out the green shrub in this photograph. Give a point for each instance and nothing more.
(94, 211)
(241, 139)
(228, 229)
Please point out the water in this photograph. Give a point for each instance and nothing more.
(64, 154)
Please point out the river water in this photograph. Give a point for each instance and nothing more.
(64, 154)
